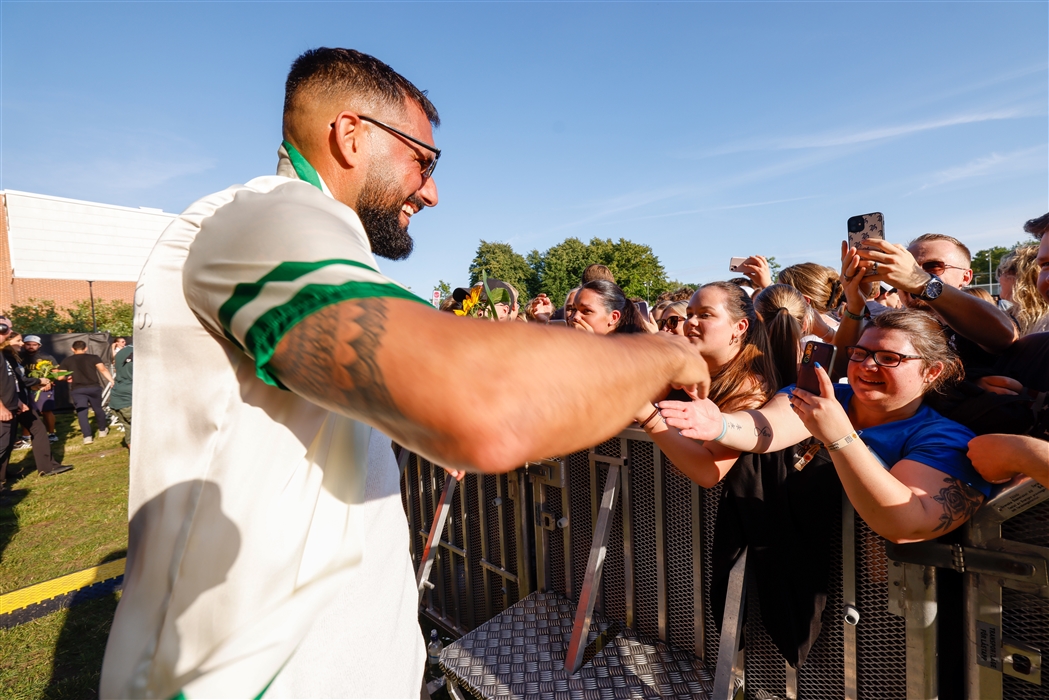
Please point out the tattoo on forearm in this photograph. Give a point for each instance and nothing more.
(959, 501)
(331, 356)
(733, 426)
(763, 431)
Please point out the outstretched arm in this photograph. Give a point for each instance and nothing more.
(705, 463)
(983, 323)
(767, 429)
(465, 392)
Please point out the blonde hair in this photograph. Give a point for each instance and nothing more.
(784, 312)
(979, 293)
(817, 282)
(1028, 305)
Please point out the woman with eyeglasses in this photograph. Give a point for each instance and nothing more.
(903, 466)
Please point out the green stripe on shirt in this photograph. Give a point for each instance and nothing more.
(264, 335)
(245, 292)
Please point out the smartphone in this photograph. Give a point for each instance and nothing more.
(814, 352)
(642, 307)
(734, 263)
(864, 227)
(558, 322)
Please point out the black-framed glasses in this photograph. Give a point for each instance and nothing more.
(670, 322)
(882, 358)
(937, 267)
(428, 168)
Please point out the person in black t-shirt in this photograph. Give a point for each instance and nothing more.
(86, 388)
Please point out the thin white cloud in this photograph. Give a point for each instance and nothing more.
(853, 137)
(722, 208)
(995, 163)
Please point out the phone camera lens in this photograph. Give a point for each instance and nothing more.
(856, 224)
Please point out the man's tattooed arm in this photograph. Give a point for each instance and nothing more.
(330, 357)
(959, 502)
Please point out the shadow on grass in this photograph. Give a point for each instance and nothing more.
(81, 644)
(8, 518)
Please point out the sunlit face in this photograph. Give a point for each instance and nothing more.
(15, 341)
(889, 388)
(395, 188)
(118, 343)
(590, 313)
(1043, 267)
(570, 306)
(711, 329)
(957, 274)
(672, 321)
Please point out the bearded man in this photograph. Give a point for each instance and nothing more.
(268, 551)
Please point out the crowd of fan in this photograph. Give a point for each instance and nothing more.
(944, 384)
(28, 402)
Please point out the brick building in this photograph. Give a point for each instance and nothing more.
(51, 246)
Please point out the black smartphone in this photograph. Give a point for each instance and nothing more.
(815, 352)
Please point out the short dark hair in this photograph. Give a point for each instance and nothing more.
(1038, 227)
(341, 71)
(79, 345)
(598, 272)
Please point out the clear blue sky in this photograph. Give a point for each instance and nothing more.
(706, 130)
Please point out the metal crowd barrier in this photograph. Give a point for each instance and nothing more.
(530, 532)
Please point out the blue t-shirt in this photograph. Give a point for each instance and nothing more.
(926, 437)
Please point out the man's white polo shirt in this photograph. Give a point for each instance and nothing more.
(253, 512)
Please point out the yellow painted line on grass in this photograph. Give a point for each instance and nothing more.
(39, 592)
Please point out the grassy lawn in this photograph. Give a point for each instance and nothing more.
(51, 527)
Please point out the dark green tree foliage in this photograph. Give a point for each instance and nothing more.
(500, 261)
(42, 317)
(445, 289)
(990, 258)
(560, 269)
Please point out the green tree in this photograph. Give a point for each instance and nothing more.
(445, 289)
(560, 269)
(774, 267)
(41, 316)
(500, 261)
(985, 262)
(116, 317)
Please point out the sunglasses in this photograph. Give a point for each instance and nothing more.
(4, 328)
(937, 267)
(671, 322)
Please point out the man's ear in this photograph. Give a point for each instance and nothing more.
(345, 138)
(968, 277)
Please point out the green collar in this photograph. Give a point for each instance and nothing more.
(303, 169)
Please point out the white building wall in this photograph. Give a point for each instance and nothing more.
(57, 238)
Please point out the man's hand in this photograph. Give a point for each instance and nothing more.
(540, 309)
(45, 384)
(1000, 457)
(22, 408)
(757, 269)
(5, 415)
(895, 265)
(997, 384)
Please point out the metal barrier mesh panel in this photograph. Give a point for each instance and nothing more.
(823, 674)
(510, 513)
(555, 540)
(681, 610)
(472, 526)
(1025, 619)
(709, 513)
(765, 669)
(412, 495)
(880, 635)
(495, 582)
(643, 517)
(579, 500)
(1031, 526)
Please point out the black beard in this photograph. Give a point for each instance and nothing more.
(382, 221)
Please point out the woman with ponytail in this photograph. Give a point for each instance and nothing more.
(601, 307)
(723, 325)
(788, 319)
(821, 287)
